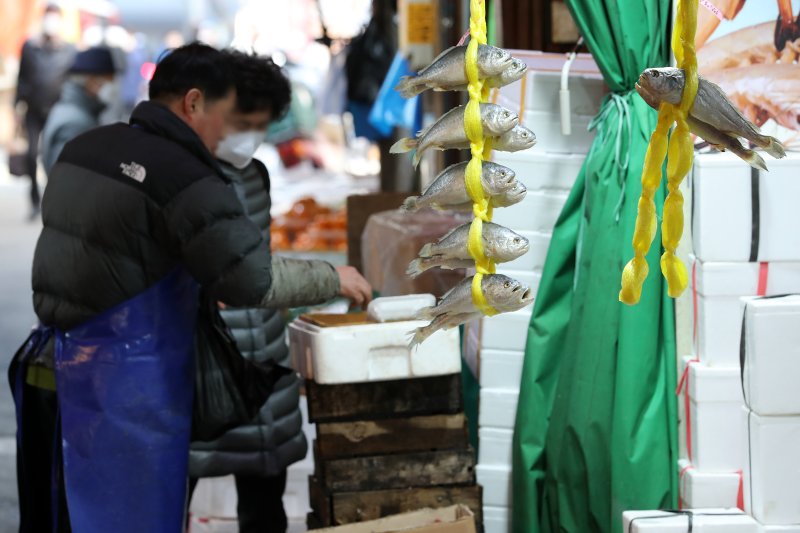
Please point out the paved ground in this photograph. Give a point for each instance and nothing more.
(17, 241)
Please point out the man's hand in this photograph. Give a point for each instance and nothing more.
(353, 286)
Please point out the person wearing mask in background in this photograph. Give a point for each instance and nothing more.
(88, 90)
(136, 219)
(43, 67)
(259, 453)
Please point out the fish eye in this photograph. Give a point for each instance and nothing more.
(516, 240)
(506, 114)
(655, 73)
(507, 284)
(503, 173)
(524, 134)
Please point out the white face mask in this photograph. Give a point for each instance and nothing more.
(107, 93)
(51, 24)
(238, 148)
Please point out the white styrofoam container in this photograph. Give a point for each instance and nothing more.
(772, 470)
(541, 89)
(506, 331)
(538, 169)
(199, 524)
(546, 125)
(719, 288)
(721, 230)
(772, 355)
(498, 408)
(703, 521)
(700, 488)
(715, 394)
(496, 519)
(371, 352)
(495, 446)
(538, 242)
(496, 482)
(538, 211)
(777, 529)
(389, 308)
(501, 369)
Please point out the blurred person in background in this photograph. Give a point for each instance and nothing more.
(43, 66)
(87, 92)
(259, 453)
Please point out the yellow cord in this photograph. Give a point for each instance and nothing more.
(681, 154)
(480, 149)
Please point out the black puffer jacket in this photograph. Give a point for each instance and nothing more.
(125, 206)
(275, 439)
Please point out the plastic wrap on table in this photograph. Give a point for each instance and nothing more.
(392, 239)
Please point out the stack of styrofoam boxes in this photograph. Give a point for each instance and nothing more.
(718, 520)
(770, 378)
(548, 170)
(723, 270)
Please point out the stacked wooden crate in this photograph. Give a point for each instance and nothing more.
(386, 447)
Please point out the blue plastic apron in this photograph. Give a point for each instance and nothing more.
(125, 386)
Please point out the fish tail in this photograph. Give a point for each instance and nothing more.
(417, 157)
(404, 145)
(426, 250)
(775, 148)
(418, 336)
(426, 313)
(754, 160)
(410, 86)
(415, 268)
(410, 204)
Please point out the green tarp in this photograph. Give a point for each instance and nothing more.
(596, 423)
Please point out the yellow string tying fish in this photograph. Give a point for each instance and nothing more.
(681, 153)
(481, 149)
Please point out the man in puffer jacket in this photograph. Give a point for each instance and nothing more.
(259, 453)
(137, 217)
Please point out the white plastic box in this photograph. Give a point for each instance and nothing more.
(715, 394)
(772, 470)
(495, 446)
(501, 369)
(722, 220)
(541, 87)
(506, 331)
(771, 374)
(498, 408)
(719, 311)
(777, 529)
(538, 211)
(371, 352)
(496, 483)
(700, 488)
(538, 169)
(496, 519)
(703, 521)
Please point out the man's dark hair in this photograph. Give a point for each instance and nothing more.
(260, 84)
(192, 66)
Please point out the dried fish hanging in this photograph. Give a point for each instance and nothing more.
(681, 154)
(480, 148)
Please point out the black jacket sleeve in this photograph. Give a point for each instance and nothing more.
(218, 243)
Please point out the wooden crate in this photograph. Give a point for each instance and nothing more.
(384, 399)
(339, 508)
(397, 471)
(391, 435)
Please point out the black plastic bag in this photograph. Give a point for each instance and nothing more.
(369, 57)
(229, 389)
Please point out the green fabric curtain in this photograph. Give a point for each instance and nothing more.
(596, 423)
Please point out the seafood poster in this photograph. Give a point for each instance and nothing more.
(752, 53)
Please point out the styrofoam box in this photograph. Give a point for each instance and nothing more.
(496, 519)
(214, 497)
(537, 169)
(501, 369)
(199, 524)
(717, 430)
(506, 331)
(587, 91)
(772, 355)
(772, 470)
(700, 488)
(496, 482)
(538, 243)
(538, 211)
(719, 287)
(546, 125)
(774, 529)
(498, 408)
(722, 221)
(495, 446)
(703, 521)
(371, 352)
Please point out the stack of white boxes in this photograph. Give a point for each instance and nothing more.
(771, 357)
(742, 248)
(498, 343)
